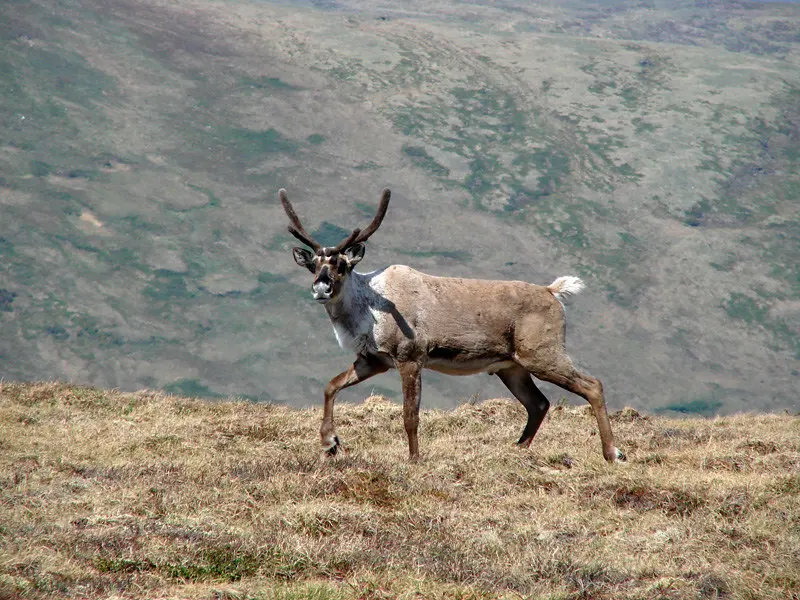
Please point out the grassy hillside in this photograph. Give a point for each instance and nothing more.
(650, 149)
(142, 495)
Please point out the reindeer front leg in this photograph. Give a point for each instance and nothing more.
(363, 368)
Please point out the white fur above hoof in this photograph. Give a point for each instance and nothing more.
(332, 447)
(618, 456)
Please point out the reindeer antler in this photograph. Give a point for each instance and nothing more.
(348, 241)
(357, 236)
(376, 222)
(296, 228)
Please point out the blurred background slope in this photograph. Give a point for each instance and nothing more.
(652, 150)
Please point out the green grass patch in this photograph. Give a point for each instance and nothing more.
(367, 166)
(250, 145)
(482, 177)
(6, 248)
(697, 407)
(490, 125)
(599, 87)
(63, 73)
(123, 565)
(643, 127)
(223, 563)
(756, 312)
(743, 308)
(696, 215)
(626, 170)
(166, 286)
(6, 300)
(630, 97)
(268, 84)
(603, 146)
(40, 168)
(726, 264)
(422, 159)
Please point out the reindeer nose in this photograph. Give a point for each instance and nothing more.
(322, 291)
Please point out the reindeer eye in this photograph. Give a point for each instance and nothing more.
(341, 265)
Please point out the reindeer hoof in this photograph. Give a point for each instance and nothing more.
(334, 448)
(618, 456)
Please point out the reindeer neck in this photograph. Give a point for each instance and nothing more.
(352, 302)
(351, 316)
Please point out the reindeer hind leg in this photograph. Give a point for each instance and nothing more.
(411, 376)
(560, 371)
(519, 382)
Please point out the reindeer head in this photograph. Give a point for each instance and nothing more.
(331, 266)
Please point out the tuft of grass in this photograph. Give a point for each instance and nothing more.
(143, 495)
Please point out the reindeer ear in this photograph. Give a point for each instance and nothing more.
(304, 258)
(354, 253)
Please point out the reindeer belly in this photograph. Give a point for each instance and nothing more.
(459, 362)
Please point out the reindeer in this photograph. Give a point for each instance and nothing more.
(399, 318)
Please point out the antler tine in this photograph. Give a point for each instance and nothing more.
(296, 228)
(347, 241)
(376, 222)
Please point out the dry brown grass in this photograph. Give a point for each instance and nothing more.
(151, 496)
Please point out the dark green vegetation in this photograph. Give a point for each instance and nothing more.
(653, 152)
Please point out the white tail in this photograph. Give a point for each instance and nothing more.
(565, 287)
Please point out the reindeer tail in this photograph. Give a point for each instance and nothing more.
(565, 287)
